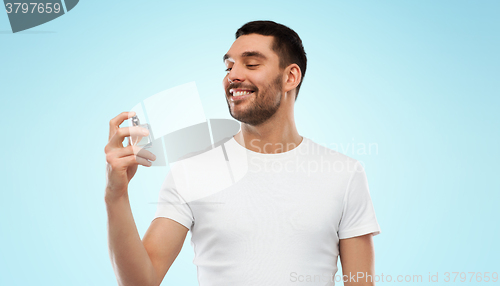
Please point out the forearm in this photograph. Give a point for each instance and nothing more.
(129, 257)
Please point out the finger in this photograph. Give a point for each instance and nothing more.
(135, 132)
(137, 151)
(143, 161)
(132, 159)
(115, 123)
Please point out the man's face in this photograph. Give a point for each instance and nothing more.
(253, 83)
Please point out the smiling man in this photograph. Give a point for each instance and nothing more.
(293, 206)
(266, 65)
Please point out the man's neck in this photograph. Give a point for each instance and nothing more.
(277, 135)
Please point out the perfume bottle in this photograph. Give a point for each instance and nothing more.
(140, 141)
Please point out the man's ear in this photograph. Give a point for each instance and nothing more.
(293, 76)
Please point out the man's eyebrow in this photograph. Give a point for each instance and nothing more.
(253, 54)
(247, 54)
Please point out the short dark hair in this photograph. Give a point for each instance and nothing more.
(287, 44)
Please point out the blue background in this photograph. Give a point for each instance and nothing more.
(419, 79)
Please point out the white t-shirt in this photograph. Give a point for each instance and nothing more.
(268, 219)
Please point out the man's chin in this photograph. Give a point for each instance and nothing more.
(239, 116)
(236, 116)
(248, 119)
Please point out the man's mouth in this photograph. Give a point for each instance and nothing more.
(237, 94)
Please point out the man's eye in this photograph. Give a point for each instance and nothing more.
(250, 66)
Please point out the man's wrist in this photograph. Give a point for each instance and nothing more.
(111, 196)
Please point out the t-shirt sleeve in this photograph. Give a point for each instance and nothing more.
(358, 215)
(172, 205)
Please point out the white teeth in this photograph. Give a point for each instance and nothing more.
(240, 93)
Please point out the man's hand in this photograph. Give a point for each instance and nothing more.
(357, 255)
(122, 162)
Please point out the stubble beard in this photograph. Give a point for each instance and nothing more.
(263, 107)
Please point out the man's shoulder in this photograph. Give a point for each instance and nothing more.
(321, 151)
(200, 174)
(204, 155)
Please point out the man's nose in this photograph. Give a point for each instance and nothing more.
(236, 74)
